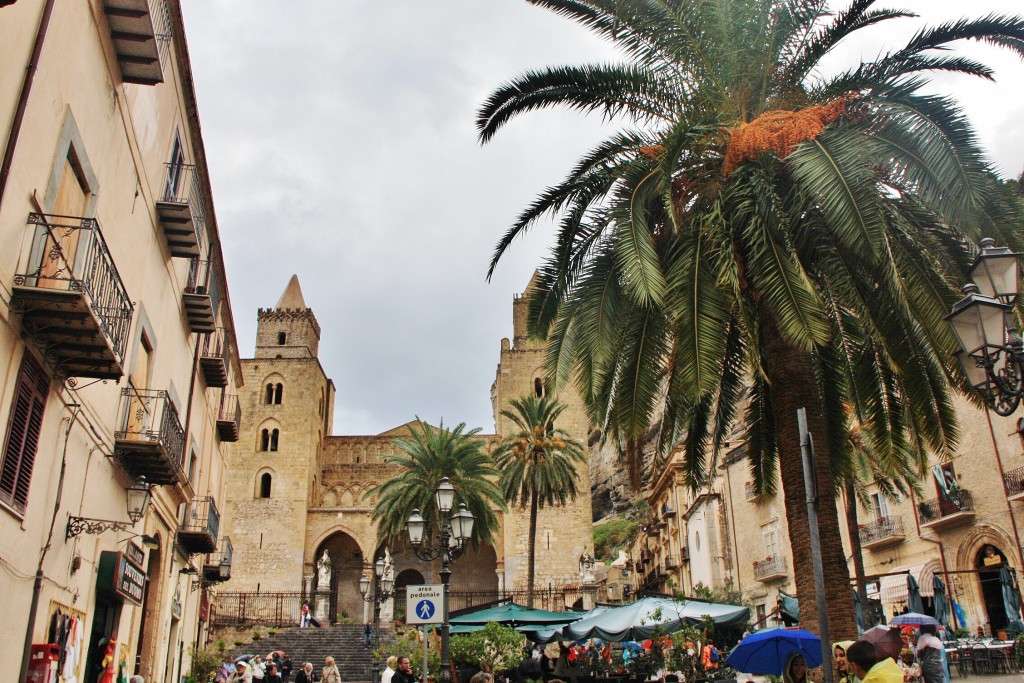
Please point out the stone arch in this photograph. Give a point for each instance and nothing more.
(264, 482)
(347, 498)
(270, 386)
(347, 558)
(265, 439)
(329, 498)
(967, 558)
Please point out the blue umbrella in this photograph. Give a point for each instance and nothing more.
(913, 619)
(765, 652)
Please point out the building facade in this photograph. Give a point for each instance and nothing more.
(962, 529)
(298, 491)
(118, 363)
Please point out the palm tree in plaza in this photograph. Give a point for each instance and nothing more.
(761, 236)
(537, 462)
(427, 456)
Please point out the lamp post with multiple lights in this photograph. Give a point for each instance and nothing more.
(991, 350)
(456, 528)
(383, 588)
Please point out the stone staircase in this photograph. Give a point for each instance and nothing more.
(344, 642)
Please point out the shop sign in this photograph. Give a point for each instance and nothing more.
(129, 580)
(135, 554)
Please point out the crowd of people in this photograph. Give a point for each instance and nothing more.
(276, 667)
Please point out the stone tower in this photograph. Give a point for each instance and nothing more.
(287, 404)
(560, 530)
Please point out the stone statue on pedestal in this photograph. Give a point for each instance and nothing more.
(323, 565)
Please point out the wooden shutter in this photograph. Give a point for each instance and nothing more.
(23, 433)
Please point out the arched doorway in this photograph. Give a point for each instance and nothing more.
(406, 577)
(338, 585)
(989, 560)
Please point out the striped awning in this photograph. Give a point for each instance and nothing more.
(893, 588)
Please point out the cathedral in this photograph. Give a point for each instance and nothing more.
(296, 490)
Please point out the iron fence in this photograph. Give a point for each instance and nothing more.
(250, 608)
(882, 528)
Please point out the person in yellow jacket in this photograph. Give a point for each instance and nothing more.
(839, 649)
(863, 662)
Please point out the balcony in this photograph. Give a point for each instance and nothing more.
(141, 32)
(770, 568)
(885, 531)
(215, 358)
(217, 567)
(182, 212)
(957, 507)
(671, 562)
(1014, 484)
(71, 299)
(150, 441)
(229, 417)
(201, 296)
(200, 526)
(685, 554)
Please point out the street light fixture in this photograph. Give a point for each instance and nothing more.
(383, 588)
(137, 496)
(991, 352)
(454, 532)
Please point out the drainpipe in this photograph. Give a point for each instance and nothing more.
(26, 88)
(1002, 480)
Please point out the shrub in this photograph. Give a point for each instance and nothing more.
(256, 635)
(493, 648)
(204, 664)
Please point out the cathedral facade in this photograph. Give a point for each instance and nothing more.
(297, 490)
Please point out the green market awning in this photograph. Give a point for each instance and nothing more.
(640, 620)
(512, 614)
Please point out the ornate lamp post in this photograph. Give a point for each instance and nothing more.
(383, 589)
(455, 529)
(991, 350)
(137, 496)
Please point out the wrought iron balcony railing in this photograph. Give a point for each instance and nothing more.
(202, 296)
(141, 33)
(215, 358)
(229, 417)
(1014, 482)
(72, 299)
(199, 526)
(217, 566)
(182, 210)
(882, 529)
(770, 567)
(953, 505)
(150, 441)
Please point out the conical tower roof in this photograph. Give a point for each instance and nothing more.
(292, 296)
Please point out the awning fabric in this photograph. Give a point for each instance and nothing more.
(639, 620)
(894, 588)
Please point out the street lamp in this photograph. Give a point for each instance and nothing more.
(991, 351)
(383, 588)
(137, 496)
(455, 530)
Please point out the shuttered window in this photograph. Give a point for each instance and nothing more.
(23, 433)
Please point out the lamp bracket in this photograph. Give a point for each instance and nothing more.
(88, 525)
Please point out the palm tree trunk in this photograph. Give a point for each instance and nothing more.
(793, 386)
(853, 530)
(532, 569)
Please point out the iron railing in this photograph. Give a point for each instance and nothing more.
(955, 502)
(150, 416)
(217, 566)
(202, 279)
(183, 186)
(770, 566)
(671, 562)
(883, 527)
(215, 345)
(230, 409)
(161, 16)
(256, 608)
(73, 256)
(1014, 481)
(201, 516)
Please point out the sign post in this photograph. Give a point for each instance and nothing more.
(424, 604)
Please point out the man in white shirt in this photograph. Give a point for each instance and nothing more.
(389, 670)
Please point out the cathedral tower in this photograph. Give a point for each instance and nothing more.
(287, 405)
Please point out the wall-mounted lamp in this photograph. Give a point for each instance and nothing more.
(138, 496)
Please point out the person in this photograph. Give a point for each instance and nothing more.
(863, 662)
(367, 635)
(306, 674)
(244, 675)
(225, 671)
(285, 667)
(306, 619)
(272, 675)
(842, 669)
(258, 668)
(795, 670)
(482, 677)
(331, 673)
(404, 673)
(710, 656)
(136, 679)
(389, 669)
(931, 655)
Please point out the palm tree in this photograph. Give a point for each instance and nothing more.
(429, 455)
(537, 464)
(762, 234)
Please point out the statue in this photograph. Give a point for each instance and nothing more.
(323, 581)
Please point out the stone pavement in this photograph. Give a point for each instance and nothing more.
(1000, 678)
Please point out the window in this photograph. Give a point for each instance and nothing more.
(175, 171)
(269, 396)
(23, 429)
(281, 338)
(538, 387)
(192, 462)
(278, 393)
(880, 505)
(265, 440)
(771, 541)
(273, 439)
(762, 613)
(265, 483)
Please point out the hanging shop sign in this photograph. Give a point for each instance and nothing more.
(121, 575)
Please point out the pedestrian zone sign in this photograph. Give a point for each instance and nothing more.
(424, 604)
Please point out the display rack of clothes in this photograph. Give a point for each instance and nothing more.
(67, 631)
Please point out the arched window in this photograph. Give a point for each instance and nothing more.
(265, 483)
(265, 440)
(281, 337)
(538, 387)
(278, 393)
(269, 398)
(273, 439)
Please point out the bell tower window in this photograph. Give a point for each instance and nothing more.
(265, 484)
(282, 337)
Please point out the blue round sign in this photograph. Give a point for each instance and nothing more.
(424, 609)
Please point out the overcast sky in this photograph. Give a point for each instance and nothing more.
(341, 146)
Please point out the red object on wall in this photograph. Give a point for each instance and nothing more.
(42, 667)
